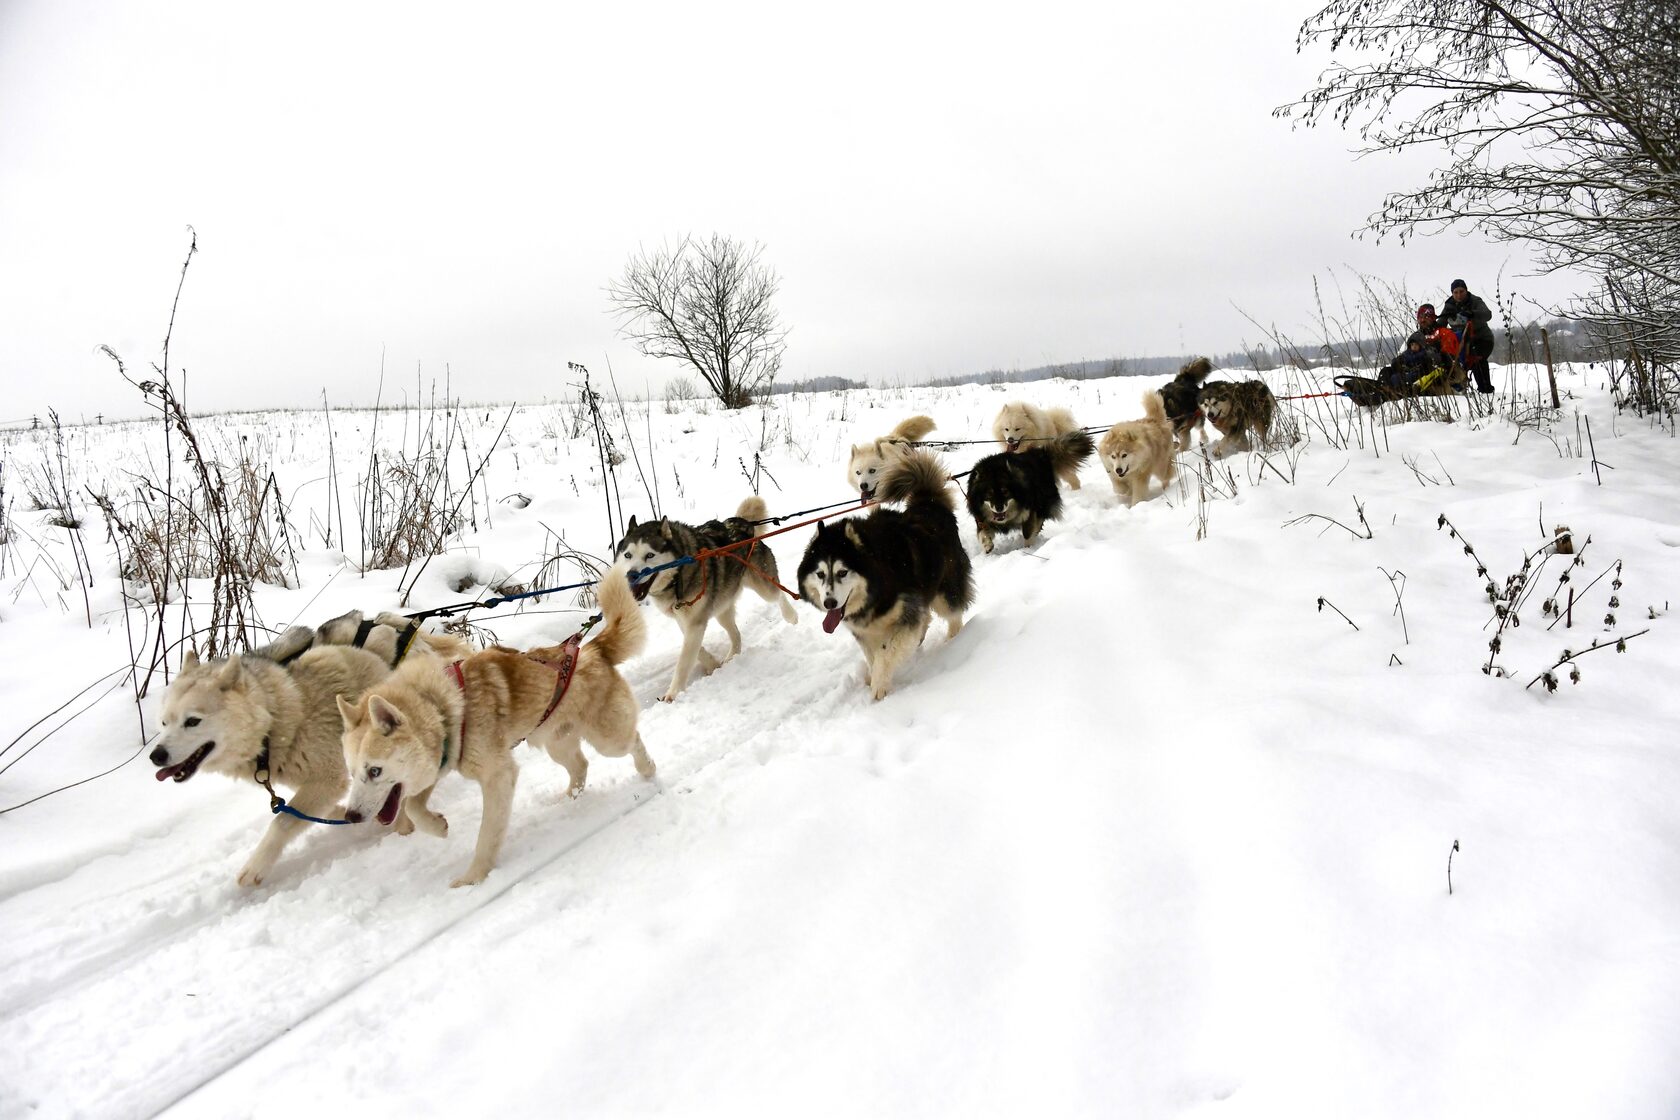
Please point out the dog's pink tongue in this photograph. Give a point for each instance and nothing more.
(832, 619)
(388, 811)
(167, 772)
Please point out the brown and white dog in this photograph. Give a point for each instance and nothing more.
(1134, 451)
(430, 717)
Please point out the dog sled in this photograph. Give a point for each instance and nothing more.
(1372, 392)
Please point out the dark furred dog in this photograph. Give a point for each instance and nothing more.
(1180, 398)
(886, 574)
(695, 594)
(1008, 492)
(1238, 409)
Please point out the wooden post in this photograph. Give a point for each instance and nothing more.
(1546, 342)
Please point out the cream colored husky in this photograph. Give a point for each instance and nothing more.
(870, 460)
(225, 715)
(1134, 451)
(1020, 425)
(419, 724)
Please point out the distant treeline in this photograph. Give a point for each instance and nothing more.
(1571, 341)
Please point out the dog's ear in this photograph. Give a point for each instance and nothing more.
(190, 659)
(852, 534)
(349, 713)
(665, 526)
(384, 716)
(631, 528)
(229, 675)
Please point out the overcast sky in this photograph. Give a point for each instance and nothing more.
(942, 189)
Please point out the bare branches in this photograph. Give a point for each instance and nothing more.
(1357, 507)
(1559, 121)
(710, 305)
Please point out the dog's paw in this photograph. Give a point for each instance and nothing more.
(470, 879)
(435, 825)
(251, 875)
(404, 826)
(668, 697)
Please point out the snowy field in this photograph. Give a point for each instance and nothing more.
(1155, 835)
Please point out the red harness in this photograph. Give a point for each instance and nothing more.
(454, 670)
(563, 670)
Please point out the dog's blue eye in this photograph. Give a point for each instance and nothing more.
(190, 721)
(373, 773)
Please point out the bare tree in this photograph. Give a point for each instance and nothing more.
(1560, 121)
(706, 303)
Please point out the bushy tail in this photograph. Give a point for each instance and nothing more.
(914, 428)
(753, 509)
(1069, 450)
(921, 477)
(1195, 372)
(1153, 408)
(625, 632)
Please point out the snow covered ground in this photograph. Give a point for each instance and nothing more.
(1154, 836)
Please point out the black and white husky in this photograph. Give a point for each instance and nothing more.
(694, 594)
(886, 574)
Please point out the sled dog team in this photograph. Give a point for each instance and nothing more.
(383, 710)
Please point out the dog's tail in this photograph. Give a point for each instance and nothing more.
(625, 632)
(1195, 372)
(914, 428)
(1069, 450)
(921, 477)
(753, 509)
(1153, 407)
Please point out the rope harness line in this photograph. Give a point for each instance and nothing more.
(949, 444)
(751, 544)
(276, 803)
(494, 601)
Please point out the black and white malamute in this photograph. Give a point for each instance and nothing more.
(1008, 492)
(886, 574)
(694, 594)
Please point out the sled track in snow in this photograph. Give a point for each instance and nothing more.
(771, 725)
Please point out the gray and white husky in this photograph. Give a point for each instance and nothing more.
(886, 574)
(694, 594)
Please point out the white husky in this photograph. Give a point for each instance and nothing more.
(869, 461)
(232, 716)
